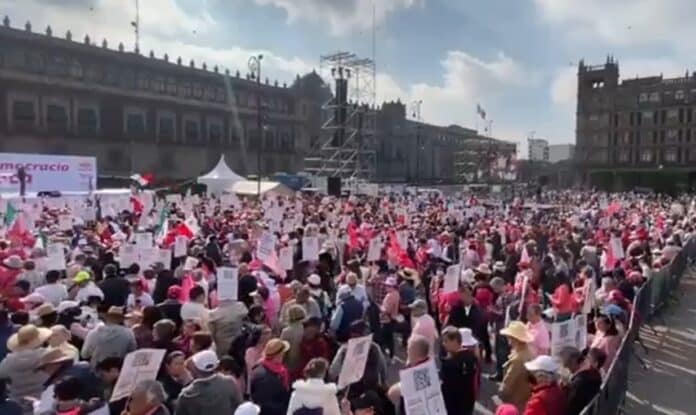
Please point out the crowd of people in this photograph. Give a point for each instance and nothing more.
(471, 285)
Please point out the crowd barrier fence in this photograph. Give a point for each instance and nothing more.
(649, 301)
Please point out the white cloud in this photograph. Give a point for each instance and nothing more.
(340, 16)
(165, 28)
(466, 81)
(624, 22)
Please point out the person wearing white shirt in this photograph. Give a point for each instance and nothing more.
(53, 291)
(138, 298)
(86, 287)
(352, 286)
(195, 308)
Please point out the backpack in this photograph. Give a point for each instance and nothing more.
(309, 411)
(240, 343)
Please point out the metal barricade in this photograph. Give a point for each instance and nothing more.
(650, 299)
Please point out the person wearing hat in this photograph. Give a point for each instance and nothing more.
(109, 340)
(547, 396)
(293, 334)
(348, 310)
(515, 387)
(26, 347)
(58, 365)
(85, 288)
(355, 288)
(210, 392)
(171, 307)
(319, 295)
(459, 372)
(59, 339)
(248, 408)
(10, 269)
(46, 315)
(270, 380)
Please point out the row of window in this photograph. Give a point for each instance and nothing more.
(655, 137)
(669, 155)
(85, 121)
(125, 77)
(640, 118)
(656, 97)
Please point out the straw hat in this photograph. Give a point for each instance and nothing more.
(28, 337)
(115, 312)
(13, 261)
(484, 269)
(274, 347)
(517, 330)
(45, 309)
(54, 355)
(409, 274)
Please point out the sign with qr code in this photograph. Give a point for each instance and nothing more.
(420, 388)
(355, 360)
(564, 334)
(139, 365)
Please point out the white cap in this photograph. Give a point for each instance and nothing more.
(205, 361)
(468, 339)
(247, 408)
(543, 363)
(314, 279)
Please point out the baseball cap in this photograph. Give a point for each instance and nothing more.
(205, 361)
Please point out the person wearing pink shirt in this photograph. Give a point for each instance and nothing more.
(607, 339)
(536, 327)
(423, 324)
(390, 314)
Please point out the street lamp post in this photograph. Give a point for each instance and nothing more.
(417, 115)
(255, 69)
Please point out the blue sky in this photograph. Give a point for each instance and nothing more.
(517, 58)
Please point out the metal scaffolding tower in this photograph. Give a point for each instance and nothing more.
(346, 145)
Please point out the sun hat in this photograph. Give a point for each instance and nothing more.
(13, 261)
(114, 311)
(409, 274)
(45, 309)
(28, 337)
(483, 269)
(53, 355)
(499, 266)
(543, 363)
(205, 361)
(468, 339)
(81, 276)
(248, 408)
(274, 347)
(517, 330)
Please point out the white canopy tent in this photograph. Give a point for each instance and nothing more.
(251, 188)
(220, 178)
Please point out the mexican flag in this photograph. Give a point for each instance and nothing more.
(162, 225)
(16, 227)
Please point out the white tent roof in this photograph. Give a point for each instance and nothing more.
(220, 177)
(251, 188)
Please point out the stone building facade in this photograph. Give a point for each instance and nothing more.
(141, 113)
(637, 132)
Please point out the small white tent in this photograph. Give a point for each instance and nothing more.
(220, 178)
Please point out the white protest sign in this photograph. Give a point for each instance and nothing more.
(562, 335)
(174, 198)
(285, 258)
(265, 246)
(143, 364)
(65, 222)
(451, 283)
(143, 240)
(374, 251)
(190, 263)
(127, 255)
(616, 247)
(164, 257)
(55, 257)
(227, 283)
(355, 360)
(180, 246)
(420, 389)
(310, 248)
(588, 291)
(89, 213)
(147, 257)
(581, 331)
